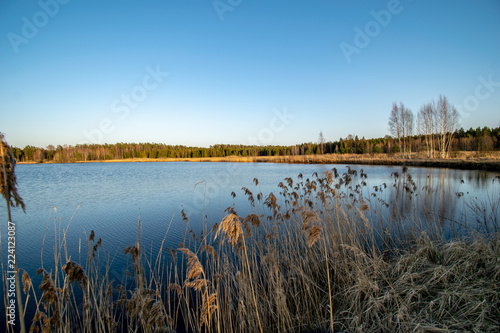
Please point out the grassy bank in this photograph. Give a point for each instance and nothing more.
(318, 256)
(461, 160)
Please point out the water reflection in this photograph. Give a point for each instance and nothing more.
(443, 200)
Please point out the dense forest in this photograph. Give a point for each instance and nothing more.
(479, 139)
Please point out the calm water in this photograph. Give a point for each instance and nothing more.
(109, 198)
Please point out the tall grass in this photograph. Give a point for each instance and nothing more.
(487, 160)
(326, 253)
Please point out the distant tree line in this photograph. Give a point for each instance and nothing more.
(479, 139)
(434, 132)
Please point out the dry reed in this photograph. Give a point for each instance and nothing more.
(320, 256)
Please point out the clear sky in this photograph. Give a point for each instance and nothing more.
(239, 71)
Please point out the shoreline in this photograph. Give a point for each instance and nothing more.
(463, 160)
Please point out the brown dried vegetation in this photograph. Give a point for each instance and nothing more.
(320, 255)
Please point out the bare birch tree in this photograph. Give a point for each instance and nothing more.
(395, 124)
(321, 141)
(408, 121)
(401, 126)
(427, 126)
(447, 124)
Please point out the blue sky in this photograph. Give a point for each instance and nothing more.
(249, 72)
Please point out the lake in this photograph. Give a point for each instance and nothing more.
(110, 198)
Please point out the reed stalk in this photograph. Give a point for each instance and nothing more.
(266, 272)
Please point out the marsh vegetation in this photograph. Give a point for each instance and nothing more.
(326, 252)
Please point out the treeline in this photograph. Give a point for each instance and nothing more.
(479, 139)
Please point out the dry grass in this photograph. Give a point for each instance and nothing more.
(489, 160)
(318, 256)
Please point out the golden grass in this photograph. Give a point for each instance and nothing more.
(465, 160)
(318, 256)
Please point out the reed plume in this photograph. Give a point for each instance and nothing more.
(208, 249)
(253, 219)
(231, 227)
(75, 272)
(49, 289)
(26, 281)
(208, 308)
(317, 265)
(195, 269)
